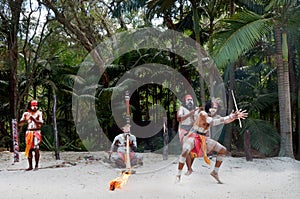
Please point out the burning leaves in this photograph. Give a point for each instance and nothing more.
(119, 181)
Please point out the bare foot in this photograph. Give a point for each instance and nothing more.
(189, 172)
(177, 180)
(216, 176)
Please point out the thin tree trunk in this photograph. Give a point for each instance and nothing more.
(166, 138)
(298, 125)
(293, 86)
(298, 117)
(229, 128)
(286, 144)
(247, 145)
(55, 129)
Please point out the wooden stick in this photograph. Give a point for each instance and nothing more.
(128, 164)
(236, 107)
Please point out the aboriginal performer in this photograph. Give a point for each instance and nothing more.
(33, 137)
(186, 116)
(119, 145)
(198, 144)
(211, 108)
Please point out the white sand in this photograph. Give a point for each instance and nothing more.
(262, 178)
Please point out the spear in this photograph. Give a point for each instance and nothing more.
(236, 107)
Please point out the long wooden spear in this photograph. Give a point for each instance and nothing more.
(236, 107)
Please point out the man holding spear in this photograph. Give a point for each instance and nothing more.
(200, 131)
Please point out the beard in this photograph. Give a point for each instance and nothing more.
(190, 106)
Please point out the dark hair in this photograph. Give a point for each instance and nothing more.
(208, 105)
(28, 106)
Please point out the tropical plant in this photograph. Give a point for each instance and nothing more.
(252, 28)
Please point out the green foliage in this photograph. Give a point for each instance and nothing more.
(246, 37)
(264, 136)
(239, 34)
(49, 144)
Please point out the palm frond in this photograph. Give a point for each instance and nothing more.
(4, 83)
(264, 136)
(158, 6)
(242, 33)
(262, 101)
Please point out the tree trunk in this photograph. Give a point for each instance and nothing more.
(229, 127)
(298, 125)
(281, 61)
(166, 138)
(294, 88)
(247, 145)
(199, 56)
(298, 119)
(55, 129)
(15, 7)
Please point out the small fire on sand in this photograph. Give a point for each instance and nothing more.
(119, 181)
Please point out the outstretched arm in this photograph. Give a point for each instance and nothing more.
(228, 119)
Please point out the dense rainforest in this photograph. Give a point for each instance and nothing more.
(45, 46)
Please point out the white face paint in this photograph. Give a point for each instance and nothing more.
(212, 111)
(34, 108)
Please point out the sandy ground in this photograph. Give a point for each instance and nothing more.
(87, 175)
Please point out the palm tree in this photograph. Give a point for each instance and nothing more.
(249, 28)
(282, 9)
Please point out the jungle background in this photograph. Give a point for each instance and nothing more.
(254, 43)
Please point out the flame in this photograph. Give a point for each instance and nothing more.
(119, 181)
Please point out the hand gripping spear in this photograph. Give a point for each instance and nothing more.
(236, 107)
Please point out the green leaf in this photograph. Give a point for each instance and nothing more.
(241, 33)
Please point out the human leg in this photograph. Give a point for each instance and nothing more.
(120, 163)
(139, 159)
(221, 152)
(189, 159)
(29, 158)
(37, 158)
(118, 159)
(215, 172)
(186, 148)
(189, 163)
